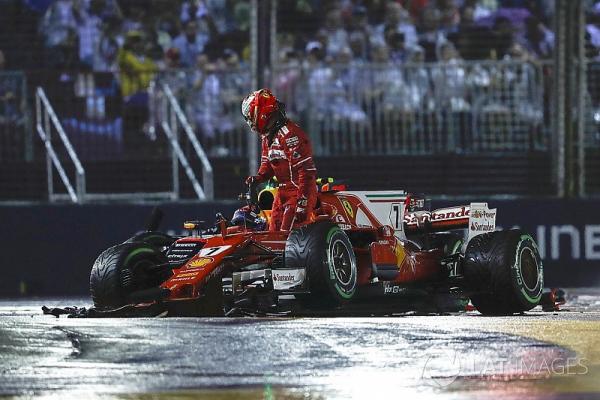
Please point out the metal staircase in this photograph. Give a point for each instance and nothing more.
(172, 118)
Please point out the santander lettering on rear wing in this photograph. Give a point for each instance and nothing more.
(440, 219)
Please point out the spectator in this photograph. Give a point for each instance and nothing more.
(88, 28)
(396, 42)
(359, 33)
(430, 33)
(136, 73)
(136, 69)
(206, 103)
(449, 15)
(337, 37)
(190, 43)
(172, 73)
(397, 19)
(107, 48)
(449, 79)
(537, 38)
(481, 9)
(58, 28)
(503, 33)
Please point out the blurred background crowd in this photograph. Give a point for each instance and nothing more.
(362, 76)
(345, 55)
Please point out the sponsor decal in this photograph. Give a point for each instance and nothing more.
(481, 219)
(393, 289)
(339, 218)
(293, 141)
(188, 274)
(348, 208)
(276, 155)
(200, 262)
(283, 277)
(345, 227)
(178, 255)
(179, 244)
(287, 279)
(443, 214)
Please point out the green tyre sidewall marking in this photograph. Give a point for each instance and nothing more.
(135, 253)
(538, 289)
(456, 247)
(343, 293)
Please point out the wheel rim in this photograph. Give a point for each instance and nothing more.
(139, 272)
(529, 269)
(342, 262)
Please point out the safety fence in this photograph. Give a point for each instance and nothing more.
(383, 109)
(432, 108)
(364, 109)
(457, 108)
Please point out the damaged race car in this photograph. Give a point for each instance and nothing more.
(364, 248)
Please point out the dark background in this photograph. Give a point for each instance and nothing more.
(49, 249)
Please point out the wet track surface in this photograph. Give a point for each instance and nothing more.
(538, 355)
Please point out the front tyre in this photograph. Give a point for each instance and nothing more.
(124, 269)
(326, 253)
(503, 271)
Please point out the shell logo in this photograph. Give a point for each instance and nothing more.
(200, 262)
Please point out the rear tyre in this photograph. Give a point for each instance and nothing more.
(326, 253)
(122, 270)
(503, 271)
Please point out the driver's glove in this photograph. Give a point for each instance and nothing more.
(253, 179)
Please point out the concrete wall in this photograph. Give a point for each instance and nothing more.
(49, 249)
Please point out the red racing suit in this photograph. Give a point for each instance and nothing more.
(289, 158)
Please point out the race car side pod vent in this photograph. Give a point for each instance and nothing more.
(148, 295)
(154, 219)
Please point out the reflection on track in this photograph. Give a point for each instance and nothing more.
(416, 356)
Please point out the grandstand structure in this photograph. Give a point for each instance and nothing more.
(105, 100)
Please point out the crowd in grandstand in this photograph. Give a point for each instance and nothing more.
(348, 52)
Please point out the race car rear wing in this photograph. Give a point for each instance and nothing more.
(476, 216)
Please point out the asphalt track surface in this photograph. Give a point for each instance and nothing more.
(537, 355)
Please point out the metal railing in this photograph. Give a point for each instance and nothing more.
(45, 119)
(171, 117)
(210, 101)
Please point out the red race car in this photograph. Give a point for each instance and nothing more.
(361, 247)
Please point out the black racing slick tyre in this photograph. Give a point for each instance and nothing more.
(503, 272)
(124, 269)
(326, 253)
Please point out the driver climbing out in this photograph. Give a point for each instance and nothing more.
(286, 155)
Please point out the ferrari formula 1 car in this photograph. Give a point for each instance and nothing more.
(361, 247)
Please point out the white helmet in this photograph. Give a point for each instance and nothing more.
(246, 109)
